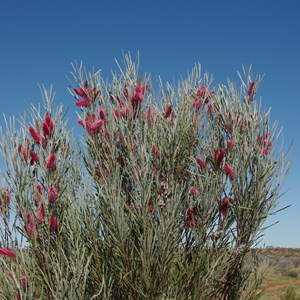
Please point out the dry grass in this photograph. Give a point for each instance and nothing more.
(284, 266)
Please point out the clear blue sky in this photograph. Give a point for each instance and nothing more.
(39, 40)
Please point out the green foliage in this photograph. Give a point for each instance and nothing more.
(162, 198)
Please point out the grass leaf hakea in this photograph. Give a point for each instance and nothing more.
(162, 197)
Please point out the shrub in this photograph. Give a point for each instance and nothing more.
(289, 294)
(162, 198)
(290, 272)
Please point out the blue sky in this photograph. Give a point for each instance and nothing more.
(40, 39)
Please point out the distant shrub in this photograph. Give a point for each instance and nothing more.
(290, 294)
(290, 273)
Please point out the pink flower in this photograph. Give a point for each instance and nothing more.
(264, 137)
(49, 122)
(54, 223)
(39, 188)
(34, 157)
(17, 296)
(37, 196)
(41, 214)
(30, 225)
(224, 207)
(52, 194)
(46, 129)
(81, 103)
(116, 113)
(10, 253)
(106, 134)
(168, 111)
(150, 116)
(264, 143)
(204, 94)
(80, 92)
(251, 88)
(88, 95)
(22, 150)
(48, 125)
(36, 137)
(24, 282)
(102, 114)
(125, 110)
(201, 163)
(197, 104)
(138, 94)
(219, 156)
(93, 127)
(263, 150)
(51, 161)
(229, 171)
(193, 191)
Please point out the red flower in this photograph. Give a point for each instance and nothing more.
(230, 144)
(219, 156)
(51, 161)
(54, 223)
(168, 111)
(190, 218)
(201, 163)
(34, 157)
(251, 88)
(229, 171)
(6, 197)
(41, 215)
(52, 194)
(30, 225)
(36, 137)
(224, 207)
(10, 253)
(193, 191)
